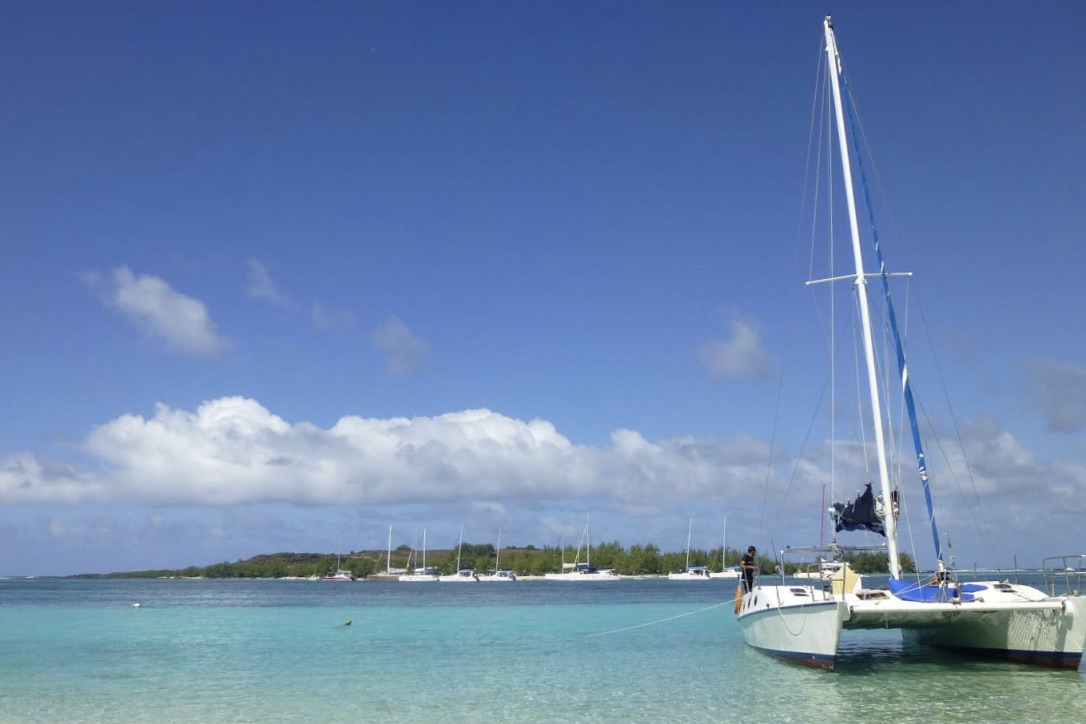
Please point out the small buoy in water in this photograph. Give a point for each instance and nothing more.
(135, 605)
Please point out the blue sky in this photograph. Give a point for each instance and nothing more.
(279, 275)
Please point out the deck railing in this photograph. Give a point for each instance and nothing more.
(1064, 574)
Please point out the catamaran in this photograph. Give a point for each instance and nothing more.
(582, 572)
(803, 622)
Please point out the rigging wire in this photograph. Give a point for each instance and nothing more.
(806, 440)
(900, 444)
(769, 465)
(814, 150)
(976, 508)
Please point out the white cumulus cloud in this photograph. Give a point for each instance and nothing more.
(160, 312)
(232, 451)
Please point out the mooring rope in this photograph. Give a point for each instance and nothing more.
(663, 620)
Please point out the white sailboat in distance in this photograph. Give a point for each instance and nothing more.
(583, 572)
(725, 571)
(691, 573)
(340, 573)
(423, 573)
(462, 575)
(500, 575)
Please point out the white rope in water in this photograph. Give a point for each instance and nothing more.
(663, 620)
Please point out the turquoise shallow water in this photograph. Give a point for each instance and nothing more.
(535, 651)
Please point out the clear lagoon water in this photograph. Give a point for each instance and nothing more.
(531, 651)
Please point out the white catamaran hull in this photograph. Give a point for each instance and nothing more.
(799, 625)
(583, 576)
(1050, 634)
(1016, 623)
(687, 577)
(692, 573)
(727, 573)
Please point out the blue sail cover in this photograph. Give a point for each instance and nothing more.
(933, 593)
(860, 514)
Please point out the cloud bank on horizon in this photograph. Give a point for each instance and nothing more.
(232, 452)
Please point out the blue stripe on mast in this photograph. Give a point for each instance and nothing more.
(902, 368)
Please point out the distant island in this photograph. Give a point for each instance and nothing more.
(527, 561)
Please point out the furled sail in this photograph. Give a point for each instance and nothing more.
(863, 513)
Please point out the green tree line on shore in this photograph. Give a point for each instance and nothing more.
(528, 561)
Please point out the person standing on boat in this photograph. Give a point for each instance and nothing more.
(748, 566)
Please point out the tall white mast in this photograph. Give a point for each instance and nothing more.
(689, 530)
(724, 547)
(459, 547)
(834, 66)
(588, 540)
(389, 566)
